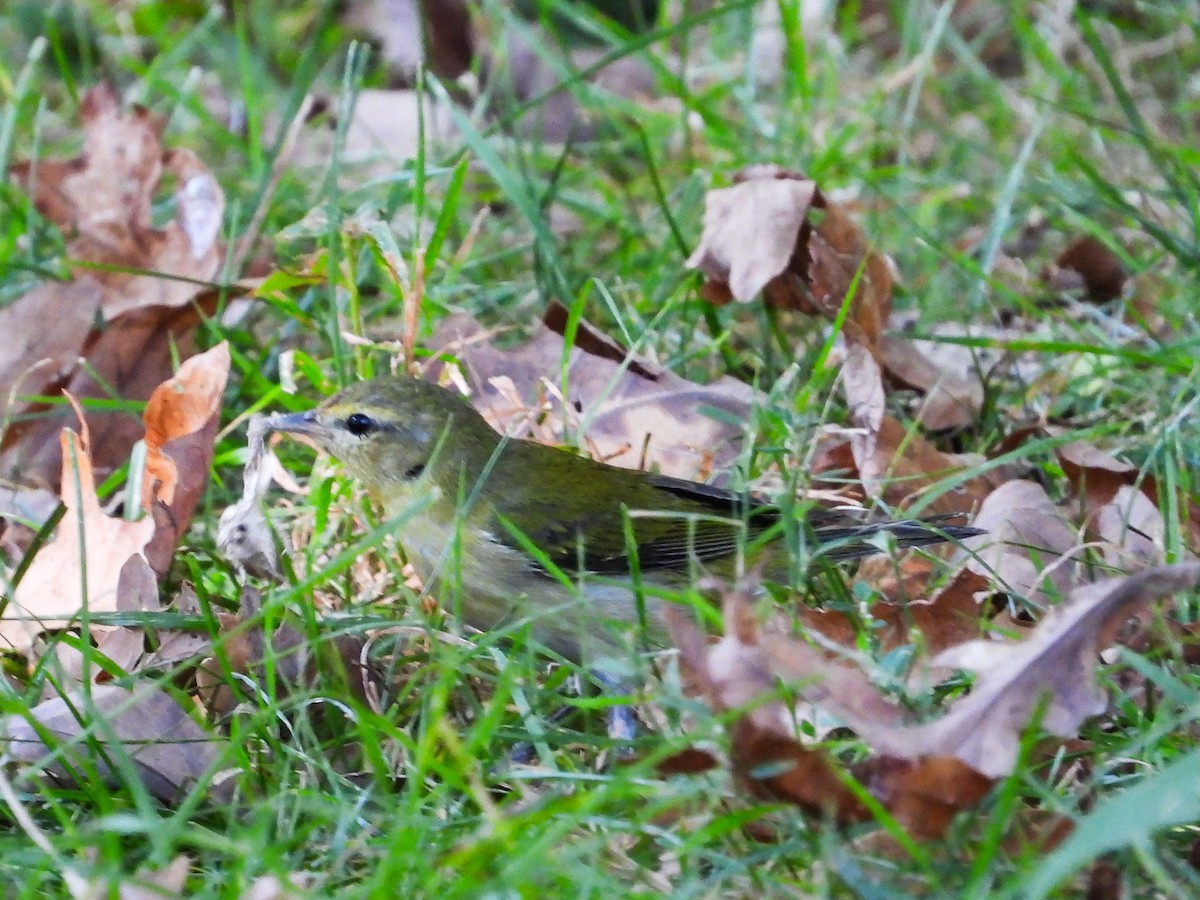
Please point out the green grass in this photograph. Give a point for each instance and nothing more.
(943, 163)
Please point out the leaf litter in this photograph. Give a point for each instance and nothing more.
(803, 252)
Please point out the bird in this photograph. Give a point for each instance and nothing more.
(512, 531)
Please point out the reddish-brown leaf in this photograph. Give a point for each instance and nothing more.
(181, 420)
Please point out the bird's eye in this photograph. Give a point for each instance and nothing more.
(359, 424)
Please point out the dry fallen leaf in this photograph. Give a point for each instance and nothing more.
(768, 760)
(1096, 475)
(1030, 550)
(773, 232)
(1088, 263)
(137, 591)
(950, 616)
(102, 201)
(925, 773)
(953, 396)
(899, 467)
(629, 412)
(168, 750)
(1055, 663)
(181, 417)
(181, 422)
(126, 360)
(34, 356)
(81, 566)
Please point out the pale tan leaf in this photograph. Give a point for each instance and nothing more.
(1030, 549)
(1056, 664)
(750, 232)
(953, 392)
(81, 566)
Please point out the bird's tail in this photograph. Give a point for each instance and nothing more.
(839, 542)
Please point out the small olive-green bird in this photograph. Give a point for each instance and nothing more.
(514, 529)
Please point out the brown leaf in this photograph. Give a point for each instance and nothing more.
(752, 230)
(81, 566)
(951, 761)
(924, 795)
(34, 356)
(181, 417)
(778, 767)
(742, 671)
(126, 359)
(169, 751)
(137, 591)
(1030, 549)
(1088, 259)
(102, 202)
(1055, 664)
(1132, 530)
(1096, 475)
(898, 466)
(773, 232)
(953, 396)
(765, 755)
(176, 646)
(630, 412)
(949, 617)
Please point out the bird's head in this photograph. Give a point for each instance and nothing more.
(387, 431)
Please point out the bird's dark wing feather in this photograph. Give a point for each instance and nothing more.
(672, 521)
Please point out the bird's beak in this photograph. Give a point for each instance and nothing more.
(302, 425)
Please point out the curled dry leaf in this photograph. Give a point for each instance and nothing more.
(1057, 661)
(629, 412)
(168, 750)
(922, 773)
(81, 566)
(774, 232)
(181, 417)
